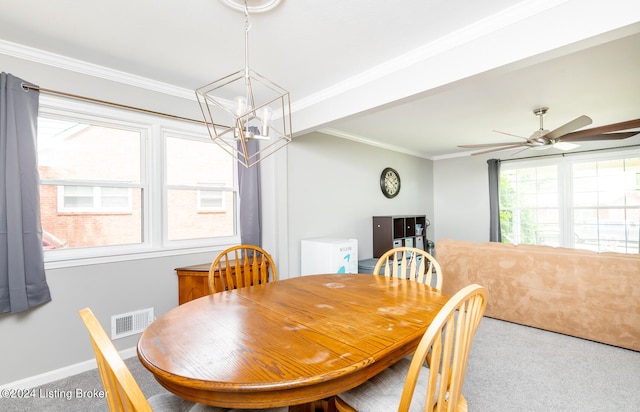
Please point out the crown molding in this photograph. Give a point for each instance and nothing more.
(82, 67)
(364, 140)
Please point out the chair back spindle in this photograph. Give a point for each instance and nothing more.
(412, 263)
(241, 266)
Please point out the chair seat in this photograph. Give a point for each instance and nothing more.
(383, 391)
(165, 402)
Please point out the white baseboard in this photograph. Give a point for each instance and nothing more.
(65, 372)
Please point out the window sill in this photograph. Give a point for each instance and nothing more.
(57, 262)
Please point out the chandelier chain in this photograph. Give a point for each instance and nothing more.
(247, 23)
(247, 27)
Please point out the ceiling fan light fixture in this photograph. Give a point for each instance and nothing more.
(565, 146)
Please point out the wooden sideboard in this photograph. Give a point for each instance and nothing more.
(193, 282)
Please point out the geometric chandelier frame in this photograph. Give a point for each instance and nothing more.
(251, 106)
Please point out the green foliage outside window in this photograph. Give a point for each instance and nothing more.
(526, 218)
(506, 214)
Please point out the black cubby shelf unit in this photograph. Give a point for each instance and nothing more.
(400, 230)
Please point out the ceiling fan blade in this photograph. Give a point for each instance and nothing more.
(614, 127)
(576, 123)
(514, 135)
(595, 137)
(520, 151)
(513, 146)
(475, 146)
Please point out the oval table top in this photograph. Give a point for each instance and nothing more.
(288, 342)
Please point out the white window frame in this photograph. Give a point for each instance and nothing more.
(565, 180)
(591, 157)
(152, 184)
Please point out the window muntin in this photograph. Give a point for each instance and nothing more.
(597, 198)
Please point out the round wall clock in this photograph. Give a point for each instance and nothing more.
(390, 182)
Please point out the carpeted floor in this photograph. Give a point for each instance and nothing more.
(518, 368)
(511, 368)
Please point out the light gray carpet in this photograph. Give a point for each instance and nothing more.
(517, 368)
(511, 368)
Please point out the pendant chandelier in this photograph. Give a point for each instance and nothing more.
(245, 106)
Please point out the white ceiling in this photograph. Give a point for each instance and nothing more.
(418, 76)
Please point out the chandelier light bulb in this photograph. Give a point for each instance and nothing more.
(267, 114)
(240, 105)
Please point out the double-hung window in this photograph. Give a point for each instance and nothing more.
(115, 184)
(588, 201)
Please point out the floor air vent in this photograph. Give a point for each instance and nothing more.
(130, 323)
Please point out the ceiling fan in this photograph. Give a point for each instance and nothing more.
(563, 137)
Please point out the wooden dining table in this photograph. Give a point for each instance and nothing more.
(290, 342)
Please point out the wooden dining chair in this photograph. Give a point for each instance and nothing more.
(414, 263)
(241, 266)
(122, 390)
(404, 384)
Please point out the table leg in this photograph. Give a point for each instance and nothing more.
(316, 406)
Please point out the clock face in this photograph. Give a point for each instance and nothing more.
(390, 182)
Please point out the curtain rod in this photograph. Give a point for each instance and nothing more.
(122, 106)
(569, 154)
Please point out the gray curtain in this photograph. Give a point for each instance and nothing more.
(22, 278)
(494, 201)
(250, 201)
